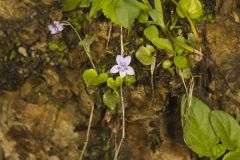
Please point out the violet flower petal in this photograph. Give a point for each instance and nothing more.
(122, 73)
(127, 60)
(52, 29)
(119, 59)
(130, 70)
(56, 27)
(114, 69)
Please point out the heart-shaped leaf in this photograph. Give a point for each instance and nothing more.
(151, 32)
(91, 77)
(129, 80)
(192, 8)
(180, 62)
(111, 99)
(145, 56)
(114, 84)
(226, 128)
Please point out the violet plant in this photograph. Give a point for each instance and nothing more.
(122, 66)
(111, 97)
(214, 139)
(56, 27)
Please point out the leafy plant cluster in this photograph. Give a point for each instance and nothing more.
(111, 96)
(209, 133)
(160, 35)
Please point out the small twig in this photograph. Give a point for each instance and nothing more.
(109, 35)
(189, 93)
(121, 42)
(88, 133)
(152, 78)
(80, 39)
(185, 86)
(122, 104)
(198, 52)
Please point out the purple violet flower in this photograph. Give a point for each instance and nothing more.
(56, 27)
(122, 66)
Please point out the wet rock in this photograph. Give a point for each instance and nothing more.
(41, 117)
(47, 2)
(138, 96)
(2, 157)
(223, 40)
(28, 33)
(14, 9)
(138, 142)
(170, 150)
(223, 43)
(8, 145)
(64, 135)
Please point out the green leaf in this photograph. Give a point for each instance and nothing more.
(88, 40)
(218, 150)
(167, 64)
(91, 77)
(97, 5)
(180, 62)
(226, 128)
(151, 32)
(178, 49)
(111, 99)
(143, 17)
(193, 8)
(163, 43)
(109, 10)
(52, 46)
(158, 6)
(127, 12)
(155, 17)
(114, 84)
(233, 155)
(129, 80)
(85, 4)
(145, 56)
(186, 73)
(70, 5)
(191, 39)
(197, 130)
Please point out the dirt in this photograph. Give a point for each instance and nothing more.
(45, 105)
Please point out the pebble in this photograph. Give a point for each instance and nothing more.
(22, 51)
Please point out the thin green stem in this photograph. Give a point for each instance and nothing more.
(80, 39)
(183, 45)
(88, 132)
